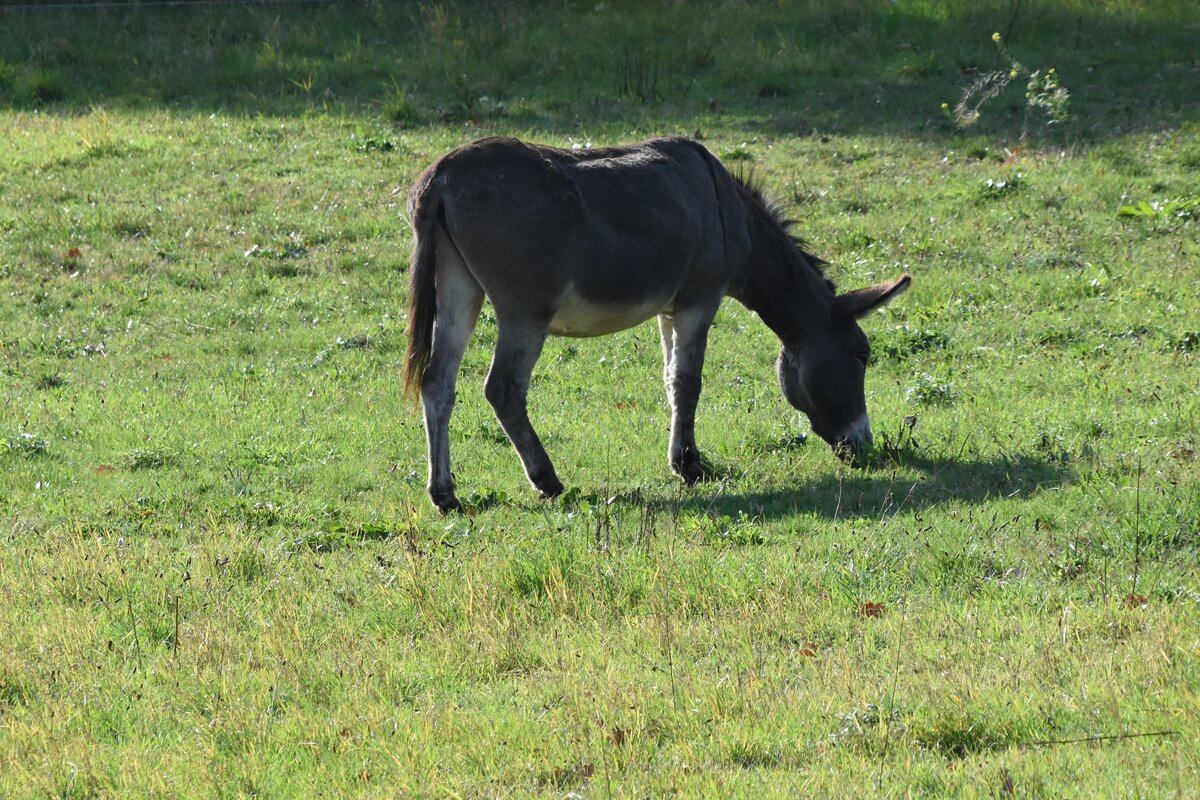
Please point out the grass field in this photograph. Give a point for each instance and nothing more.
(221, 576)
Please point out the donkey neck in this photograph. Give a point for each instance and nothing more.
(781, 282)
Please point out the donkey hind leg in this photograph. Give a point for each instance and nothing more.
(688, 339)
(459, 298)
(518, 346)
(666, 329)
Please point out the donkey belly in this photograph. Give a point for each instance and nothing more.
(579, 316)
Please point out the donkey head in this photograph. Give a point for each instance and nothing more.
(823, 375)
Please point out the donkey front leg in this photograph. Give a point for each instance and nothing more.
(517, 349)
(685, 336)
(459, 299)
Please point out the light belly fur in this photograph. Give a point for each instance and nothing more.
(577, 316)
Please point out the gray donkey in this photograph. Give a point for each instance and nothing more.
(589, 242)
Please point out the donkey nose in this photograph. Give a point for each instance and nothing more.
(855, 441)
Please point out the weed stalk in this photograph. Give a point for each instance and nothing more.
(1137, 528)
(137, 642)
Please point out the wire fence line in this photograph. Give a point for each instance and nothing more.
(83, 5)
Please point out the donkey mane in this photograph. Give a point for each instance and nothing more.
(757, 199)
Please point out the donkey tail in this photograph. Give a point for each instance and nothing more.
(424, 208)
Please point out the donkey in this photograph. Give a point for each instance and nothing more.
(590, 242)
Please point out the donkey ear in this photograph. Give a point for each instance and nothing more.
(862, 302)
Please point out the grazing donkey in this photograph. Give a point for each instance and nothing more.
(589, 242)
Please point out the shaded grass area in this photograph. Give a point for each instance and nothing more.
(221, 571)
(872, 67)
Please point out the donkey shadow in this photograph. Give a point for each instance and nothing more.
(887, 487)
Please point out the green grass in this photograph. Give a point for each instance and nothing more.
(222, 576)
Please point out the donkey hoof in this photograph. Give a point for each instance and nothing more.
(446, 502)
(551, 488)
(451, 506)
(692, 473)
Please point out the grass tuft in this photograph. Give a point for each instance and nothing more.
(26, 445)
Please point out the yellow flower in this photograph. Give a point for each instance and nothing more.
(945, 106)
(995, 37)
(1012, 74)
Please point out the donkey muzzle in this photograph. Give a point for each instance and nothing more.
(852, 445)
